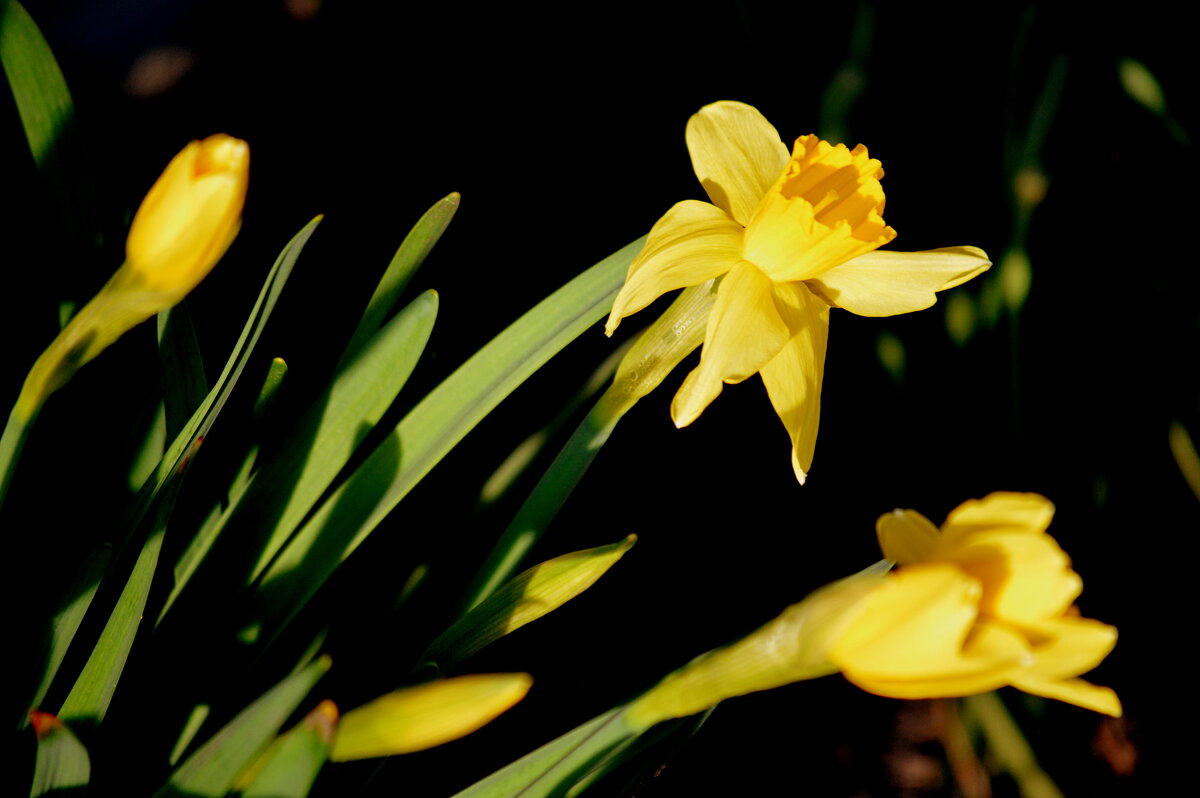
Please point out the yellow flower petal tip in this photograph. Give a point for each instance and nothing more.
(788, 236)
(984, 602)
(426, 715)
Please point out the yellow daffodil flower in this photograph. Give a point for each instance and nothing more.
(188, 219)
(985, 602)
(789, 237)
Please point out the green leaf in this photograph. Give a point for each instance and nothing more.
(647, 362)
(62, 761)
(70, 615)
(301, 470)
(288, 768)
(48, 117)
(431, 430)
(206, 414)
(408, 258)
(93, 690)
(212, 769)
(183, 381)
(552, 769)
(327, 436)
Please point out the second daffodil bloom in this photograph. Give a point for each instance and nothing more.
(985, 602)
(789, 237)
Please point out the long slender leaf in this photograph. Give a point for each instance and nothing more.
(413, 250)
(286, 487)
(555, 767)
(431, 430)
(183, 380)
(48, 117)
(67, 619)
(204, 416)
(93, 690)
(212, 769)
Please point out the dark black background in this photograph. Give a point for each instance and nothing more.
(562, 127)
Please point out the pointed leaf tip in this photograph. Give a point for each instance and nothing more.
(44, 723)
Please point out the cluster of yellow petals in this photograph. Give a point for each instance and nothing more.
(785, 238)
(987, 601)
(190, 216)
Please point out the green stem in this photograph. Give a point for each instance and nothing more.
(11, 444)
(1009, 746)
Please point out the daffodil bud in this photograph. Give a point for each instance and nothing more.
(523, 599)
(190, 216)
(791, 648)
(426, 715)
(183, 227)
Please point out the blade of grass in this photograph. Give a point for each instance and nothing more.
(431, 430)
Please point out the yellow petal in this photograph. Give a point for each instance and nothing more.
(421, 717)
(190, 215)
(1026, 578)
(793, 377)
(886, 283)
(745, 330)
(911, 639)
(1073, 691)
(692, 243)
(737, 155)
(825, 209)
(1069, 646)
(907, 537)
(1016, 512)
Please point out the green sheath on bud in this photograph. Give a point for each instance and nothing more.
(789, 649)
